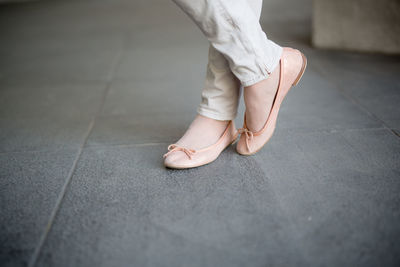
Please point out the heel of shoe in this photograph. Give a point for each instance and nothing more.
(303, 68)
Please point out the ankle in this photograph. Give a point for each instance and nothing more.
(202, 132)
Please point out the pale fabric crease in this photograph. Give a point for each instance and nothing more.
(240, 54)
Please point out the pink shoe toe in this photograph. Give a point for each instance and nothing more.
(179, 157)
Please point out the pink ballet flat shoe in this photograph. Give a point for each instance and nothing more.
(293, 65)
(179, 157)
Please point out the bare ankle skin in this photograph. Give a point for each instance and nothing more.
(258, 99)
(202, 132)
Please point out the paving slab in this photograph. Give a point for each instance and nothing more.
(59, 60)
(341, 192)
(48, 45)
(145, 112)
(47, 117)
(125, 208)
(305, 200)
(316, 105)
(371, 80)
(30, 183)
(170, 62)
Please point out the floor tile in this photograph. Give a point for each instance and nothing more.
(133, 211)
(340, 193)
(30, 184)
(371, 80)
(144, 112)
(48, 116)
(315, 104)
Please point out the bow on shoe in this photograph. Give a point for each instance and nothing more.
(249, 136)
(174, 147)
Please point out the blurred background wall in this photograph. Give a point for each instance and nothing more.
(359, 25)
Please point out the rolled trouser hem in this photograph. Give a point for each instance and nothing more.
(272, 64)
(254, 80)
(215, 115)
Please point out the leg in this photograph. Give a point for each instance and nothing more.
(233, 29)
(219, 102)
(220, 98)
(221, 93)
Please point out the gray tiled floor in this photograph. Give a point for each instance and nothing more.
(92, 92)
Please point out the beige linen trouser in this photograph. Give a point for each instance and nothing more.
(240, 53)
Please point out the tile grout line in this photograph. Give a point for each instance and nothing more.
(292, 225)
(90, 146)
(358, 104)
(168, 142)
(115, 63)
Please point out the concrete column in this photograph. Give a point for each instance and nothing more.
(360, 25)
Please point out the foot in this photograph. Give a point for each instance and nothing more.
(262, 105)
(202, 133)
(259, 98)
(201, 144)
